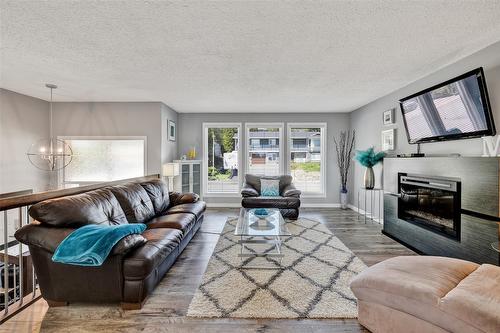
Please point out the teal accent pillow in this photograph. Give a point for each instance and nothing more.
(269, 187)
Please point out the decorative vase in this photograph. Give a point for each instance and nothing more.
(369, 179)
(343, 199)
(192, 153)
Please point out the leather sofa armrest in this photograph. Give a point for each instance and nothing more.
(42, 236)
(249, 191)
(291, 191)
(177, 198)
(128, 243)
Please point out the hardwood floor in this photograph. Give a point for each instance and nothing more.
(167, 313)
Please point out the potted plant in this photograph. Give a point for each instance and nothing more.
(343, 148)
(369, 158)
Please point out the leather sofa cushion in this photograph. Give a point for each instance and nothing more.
(180, 221)
(143, 260)
(94, 207)
(177, 198)
(249, 191)
(197, 208)
(135, 202)
(157, 191)
(476, 299)
(291, 191)
(128, 243)
(42, 236)
(270, 202)
(254, 181)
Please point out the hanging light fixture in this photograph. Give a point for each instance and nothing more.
(50, 154)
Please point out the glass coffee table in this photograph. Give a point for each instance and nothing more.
(258, 227)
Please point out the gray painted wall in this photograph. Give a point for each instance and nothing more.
(168, 148)
(23, 120)
(190, 134)
(117, 119)
(367, 120)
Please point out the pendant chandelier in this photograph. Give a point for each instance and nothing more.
(50, 154)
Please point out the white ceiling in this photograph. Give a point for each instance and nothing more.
(236, 56)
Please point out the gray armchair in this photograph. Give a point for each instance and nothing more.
(288, 202)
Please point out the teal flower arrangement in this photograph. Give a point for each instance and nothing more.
(368, 158)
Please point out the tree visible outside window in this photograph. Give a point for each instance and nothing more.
(222, 159)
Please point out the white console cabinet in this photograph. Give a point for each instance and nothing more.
(189, 179)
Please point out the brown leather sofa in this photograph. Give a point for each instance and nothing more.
(136, 264)
(288, 202)
(429, 294)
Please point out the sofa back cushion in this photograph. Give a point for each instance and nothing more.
(157, 191)
(94, 207)
(134, 201)
(254, 181)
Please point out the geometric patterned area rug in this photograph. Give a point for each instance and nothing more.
(314, 281)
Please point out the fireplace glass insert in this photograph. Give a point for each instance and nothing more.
(432, 203)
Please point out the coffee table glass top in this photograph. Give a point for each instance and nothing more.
(251, 222)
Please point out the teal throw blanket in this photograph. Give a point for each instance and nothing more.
(90, 245)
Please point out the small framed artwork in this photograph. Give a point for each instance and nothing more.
(388, 117)
(388, 139)
(172, 131)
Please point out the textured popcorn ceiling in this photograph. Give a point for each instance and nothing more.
(236, 56)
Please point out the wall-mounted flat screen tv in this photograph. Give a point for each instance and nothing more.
(456, 109)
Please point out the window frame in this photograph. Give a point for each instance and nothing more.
(205, 127)
(281, 150)
(324, 150)
(61, 174)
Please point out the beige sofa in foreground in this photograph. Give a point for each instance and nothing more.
(418, 294)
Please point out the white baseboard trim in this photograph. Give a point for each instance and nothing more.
(361, 211)
(237, 205)
(303, 205)
(223, 205)
(320, 205)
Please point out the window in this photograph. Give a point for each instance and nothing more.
(100, 159)
(264, 149)
(299, 143)
(221, 158)
(307, 150)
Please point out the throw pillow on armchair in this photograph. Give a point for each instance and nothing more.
(269, 187)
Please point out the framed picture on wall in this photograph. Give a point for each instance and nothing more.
(388, 117)
(172, 130)
(388, 140)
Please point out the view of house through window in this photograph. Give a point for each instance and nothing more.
(306, 157)
(264, 149)
(222, 145)
(102, 159)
